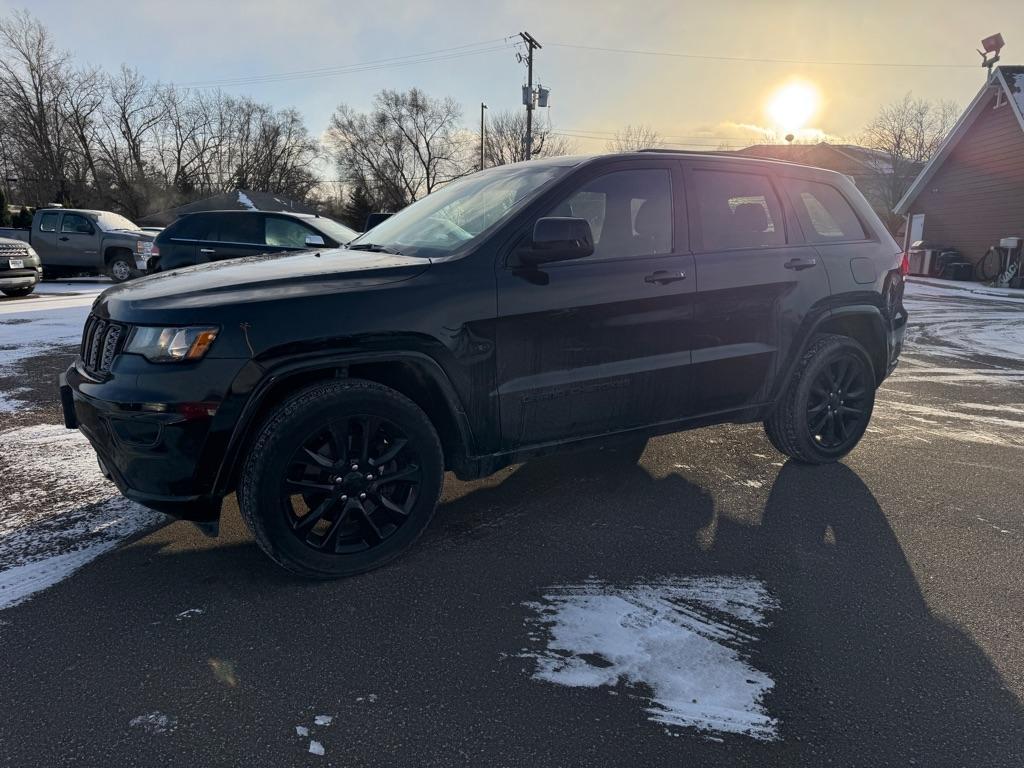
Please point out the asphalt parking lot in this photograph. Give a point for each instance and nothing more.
(710, 605)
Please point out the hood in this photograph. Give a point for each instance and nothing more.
(261, 278)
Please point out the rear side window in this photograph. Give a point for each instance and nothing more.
(286, 233)
(197, 226)
(823, 212)
(737, 210)
(244, 228)
(630, 212)
(48, 222)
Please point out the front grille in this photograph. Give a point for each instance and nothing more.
(102, 341)
(13, 249)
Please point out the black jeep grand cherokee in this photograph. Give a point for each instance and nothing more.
(525, 309)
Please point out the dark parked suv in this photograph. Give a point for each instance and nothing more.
(197, 238)
(525, 309)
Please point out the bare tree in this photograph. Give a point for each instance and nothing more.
(905, 135)
(634, 137)
(504, 139)
(34, 84)
(407, 146)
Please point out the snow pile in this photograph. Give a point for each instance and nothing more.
(57, 512)
(685, 640)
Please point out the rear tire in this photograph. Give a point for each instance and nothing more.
(316, 489)
(14, 292)
(827, 404)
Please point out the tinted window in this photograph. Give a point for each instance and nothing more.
(48, 222)
(196, 226)
(737, 210)
(823, 212)
(286, 233)
(240, 228)
(72, 222)
(630, 212)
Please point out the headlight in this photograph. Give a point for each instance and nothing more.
(168, 345)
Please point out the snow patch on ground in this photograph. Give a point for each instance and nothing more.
(684, 642)
(57, 511)
(154, 722)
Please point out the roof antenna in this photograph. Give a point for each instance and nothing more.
(992, 45)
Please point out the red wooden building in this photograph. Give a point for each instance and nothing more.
(971, 194)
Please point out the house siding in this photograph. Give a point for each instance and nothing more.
(977, 196)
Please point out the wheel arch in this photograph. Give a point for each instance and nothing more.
(415, 375)
(116, 249)
(864, 323)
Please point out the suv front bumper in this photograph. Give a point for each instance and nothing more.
(152, 456)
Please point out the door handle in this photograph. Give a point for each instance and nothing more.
(207, 250)
(663, 277)
(64, 239)
(797, 264)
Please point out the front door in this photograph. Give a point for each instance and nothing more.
(78, 243)
(601, 344)
(757, 282)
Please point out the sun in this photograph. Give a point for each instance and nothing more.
(792, 105)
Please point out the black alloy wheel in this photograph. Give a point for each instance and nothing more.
(342, 477)
(351, 486)
(838, 405)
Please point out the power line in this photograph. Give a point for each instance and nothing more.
(441, 54)
(761, 60)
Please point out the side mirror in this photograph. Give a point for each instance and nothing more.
(558, 238)
(314, 240)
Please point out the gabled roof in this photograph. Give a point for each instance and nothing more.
(817, 154)
(239, 200)
(1011, 81)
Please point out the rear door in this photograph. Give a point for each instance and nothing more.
(758, 282)
(44, 236)
(602, 343)
(78, 242)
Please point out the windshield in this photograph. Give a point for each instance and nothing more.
(448, 219)
(110, 221)
(337, 232)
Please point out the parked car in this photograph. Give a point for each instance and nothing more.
(529, 308)
(197, 238)
(20, 268)
(77, 241)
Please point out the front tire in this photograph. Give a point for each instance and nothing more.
(120, 269)
(342, 478)
(827, 405)
(15, 292)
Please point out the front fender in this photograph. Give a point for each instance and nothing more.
(256, 383)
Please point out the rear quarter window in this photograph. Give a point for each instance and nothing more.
(824, 214)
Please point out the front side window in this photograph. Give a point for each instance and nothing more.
(286, 233)
(737, 210)
(823, 212)
(630, 212)
(48, 222)
(75, 224)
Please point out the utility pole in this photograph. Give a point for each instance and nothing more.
(482, 128)
(531, 44)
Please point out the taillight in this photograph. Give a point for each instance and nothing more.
(905, 264)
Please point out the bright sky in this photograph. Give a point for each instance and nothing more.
(690, 101)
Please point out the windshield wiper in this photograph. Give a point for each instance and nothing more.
(373, 247)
